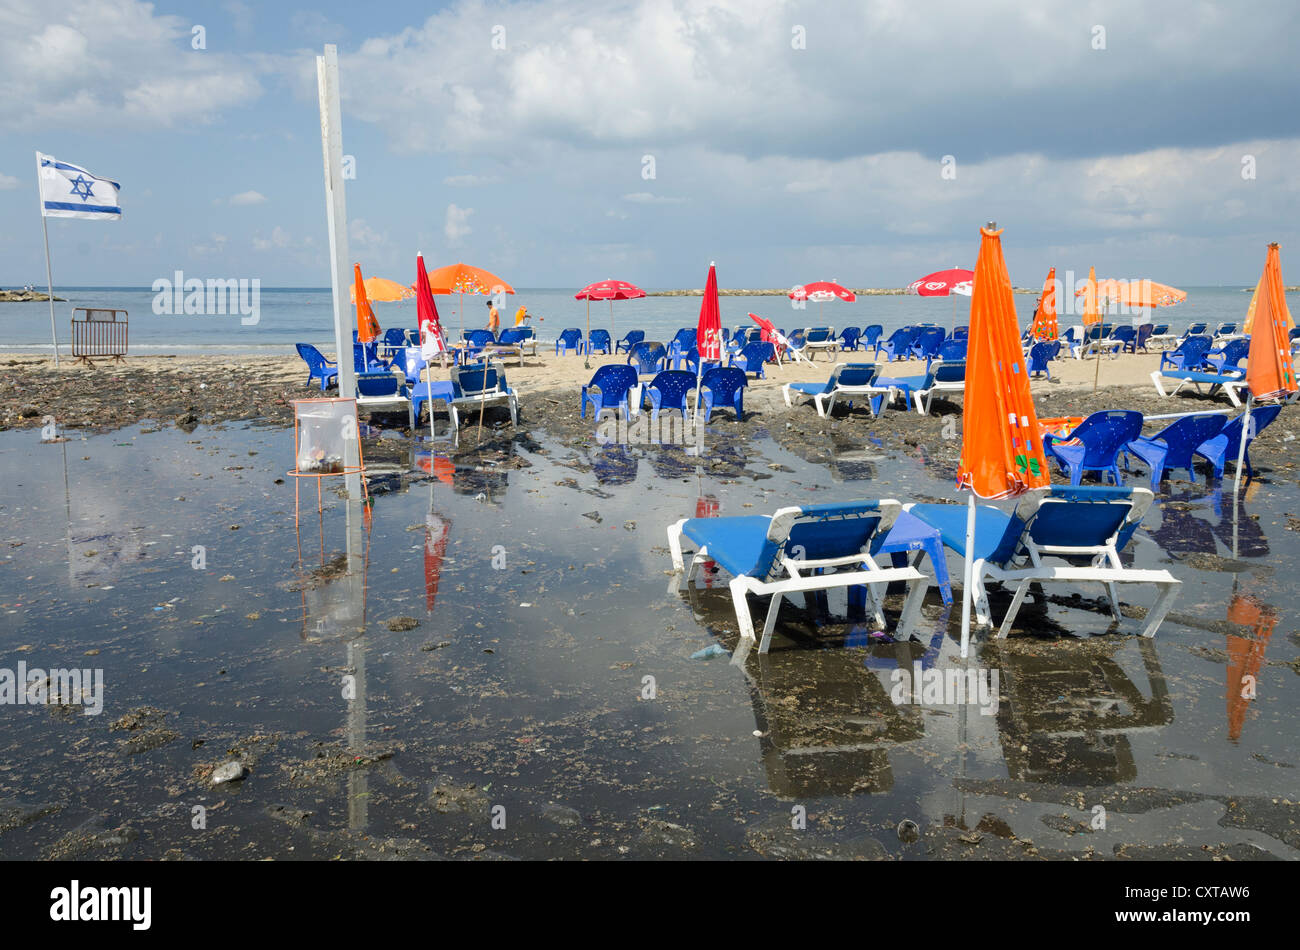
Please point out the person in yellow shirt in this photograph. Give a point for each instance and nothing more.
(521, 315)
(494, 317)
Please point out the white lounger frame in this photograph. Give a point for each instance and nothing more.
(871, 575)
(1231, 387)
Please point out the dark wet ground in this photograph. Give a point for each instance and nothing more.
(395, 702)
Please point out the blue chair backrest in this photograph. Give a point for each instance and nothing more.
(1185, 435)
(525, 333)
(313, 357)
(850, 335)
(377, 384)
(599, 339)
(1105, 433)
(394, 337)
(1143, 334)
(1196, 329)
(954, 349)
(684, 339)
(481, 337)
(961, 333)
(1234, 351)
(570, 337)
(1124, 334)
(673, 385)
(1193, 349)
(632, 338)
(724, 381)
(647, 356)
(1260, 417)
(512, 336)
(755, 354)
(796, 339)
(364, 355)
(820, 334)
(871, 333)
(1082, 516)
(904, 337)
(1160, 329)
(952, 372)
(929, 340)
(413, 363)
(1225, 329)
(613, 381)
(476, 379)
(855, 374)
(1040, 354)
(821, 531)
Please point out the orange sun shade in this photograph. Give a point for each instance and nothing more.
(463, 279)
(382, 289)
(367, 325)
(1045, 327)
(1269, 371)
(1090, 312)
(1001, 449)
(1135, 293)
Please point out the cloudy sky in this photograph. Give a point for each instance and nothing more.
(559, 143)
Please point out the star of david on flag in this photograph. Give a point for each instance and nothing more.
(69, 191)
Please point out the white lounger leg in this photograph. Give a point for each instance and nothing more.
(1014, 608)
(1164, 601)
(675, 545)
(1155, 378)
(911, 614)
(739, 591)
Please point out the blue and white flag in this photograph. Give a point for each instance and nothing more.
(69, 191)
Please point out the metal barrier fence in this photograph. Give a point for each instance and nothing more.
(98, 335)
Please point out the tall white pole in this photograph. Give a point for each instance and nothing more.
(336, 212)
(1241, 447)
(967, 587)
(49, 274)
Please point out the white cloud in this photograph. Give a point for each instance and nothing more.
(7, 182)
(470, 180)
(278, 240)
(646, 198)
(457, 224)
(363, 237)
(248, 198)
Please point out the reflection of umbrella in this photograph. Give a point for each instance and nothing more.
(431, 338)
(1246, 655)
(436, 529)
(367, 325)
(463, 279)
(708, 332)
(945, 283)
(1001, 450)
(382, 289)
(610, 290)
(1045, 327)
(1269, 373)
(821, 291)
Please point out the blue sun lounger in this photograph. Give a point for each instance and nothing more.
(846, 381)
(798, 550)
(1230, 384)
(1084, 527)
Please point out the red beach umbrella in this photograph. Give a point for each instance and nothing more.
(432, 342)
(708, 332)
(945, 283)
(821, 291)
(610, 290)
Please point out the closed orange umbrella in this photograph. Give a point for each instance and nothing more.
(460, 278)
(1045, 327)
(1091, 314)
(1001, 448)
(367, 325)
(1250, 311)
(383, 290)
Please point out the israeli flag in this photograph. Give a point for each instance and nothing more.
(69, 191)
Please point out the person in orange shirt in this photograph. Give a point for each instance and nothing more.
(521, 315)
(494, 317)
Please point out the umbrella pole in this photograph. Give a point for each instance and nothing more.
(967, 592)
(1096, 373)
(954, 313)
(612, 331)
(586, 346)
(1241, 450)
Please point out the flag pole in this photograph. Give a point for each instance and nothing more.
(49, 273)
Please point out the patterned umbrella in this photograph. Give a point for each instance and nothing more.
(1045, 327)
(610, 290)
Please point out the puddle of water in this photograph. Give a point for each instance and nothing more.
(549, 686)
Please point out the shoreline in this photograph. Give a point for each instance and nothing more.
(778, 292)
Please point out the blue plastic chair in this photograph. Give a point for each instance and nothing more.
(1124, 339)
(753, 357)
(723, 386)
(648, 357)
(669, 390)
(631, 339)
(850, 339)
(613, 381)
(394, 339)
(411, 361)
(1227, 359)
(756, 551)
(570, 339)
(1190, 354)
(1094, 446)
(691, 359)
(480, 338)
(953, 349)
(871, 335)
(318, 367)
(796, 339)
(1173, 446)
(1085, 527)
(1144, 333)
(514, 336)
(1223, 446)
(682, 342)
(926, 344)
(1040, 358)
(961, 333)
(598, 342)
(365, 358)
(899, 344)
(1196, 329)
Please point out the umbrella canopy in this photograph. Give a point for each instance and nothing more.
(609, 290)
(1135, 293)
(1269, 372)
(1089, 294)
(1045, 327)
(955, 280)
(382, 289)
(1247, 327)
(431, 338)
(1001, 449)
(708, 332)
(820, 291)
(367, 325)
(461, 278)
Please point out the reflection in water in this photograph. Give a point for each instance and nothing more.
(614, 465)
(1068, 710)
(1246, 655)
(100, 539)
(1240, 533)
(1180, 531)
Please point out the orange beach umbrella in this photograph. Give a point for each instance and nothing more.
(383, 290)
(1045, 327)
(460, 278)
(1135, 293)
(367, 325)
(1001, 447)
(1269, 372)
(1250, 311)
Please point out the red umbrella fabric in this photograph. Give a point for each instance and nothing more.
(609, 290)
(955, 280)
(431, 339)
(708, 332)
(820, 291)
